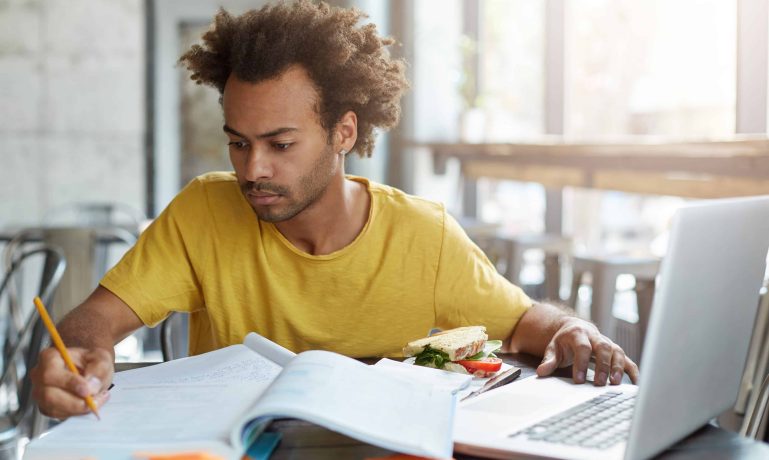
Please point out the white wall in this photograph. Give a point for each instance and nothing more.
(71, 105)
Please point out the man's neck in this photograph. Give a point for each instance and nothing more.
(332, 222)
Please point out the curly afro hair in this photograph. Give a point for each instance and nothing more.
(349, 64)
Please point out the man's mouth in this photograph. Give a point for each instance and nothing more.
(259, 194)
(263, 198)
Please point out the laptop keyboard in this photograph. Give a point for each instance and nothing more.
(599, 423)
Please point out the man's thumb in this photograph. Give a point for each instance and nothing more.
(549, 362)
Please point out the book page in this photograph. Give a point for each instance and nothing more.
(349, 397)
(233, 364)
(269, 349)
(186, 402)
(450, 381)
(147, 417)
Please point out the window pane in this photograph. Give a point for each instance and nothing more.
(511, 68)
(436, 67)
(652, 67)
(511, 98)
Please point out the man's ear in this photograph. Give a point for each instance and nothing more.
(346, 132)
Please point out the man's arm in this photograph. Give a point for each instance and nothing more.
(90, 332)
(563, 340)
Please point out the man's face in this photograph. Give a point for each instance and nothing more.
(277, 146)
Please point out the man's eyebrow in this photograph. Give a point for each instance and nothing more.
(227, 129)
(272, 133)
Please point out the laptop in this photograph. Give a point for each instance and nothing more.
(692, 361)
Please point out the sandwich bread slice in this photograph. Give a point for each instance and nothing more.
(458, 343)
(464, 350)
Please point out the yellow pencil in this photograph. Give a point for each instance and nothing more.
(62, 349)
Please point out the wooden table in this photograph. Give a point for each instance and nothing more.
(712, 169)
(302, 440)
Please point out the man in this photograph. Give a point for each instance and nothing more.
(292, 248)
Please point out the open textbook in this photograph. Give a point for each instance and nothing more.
(220, 401)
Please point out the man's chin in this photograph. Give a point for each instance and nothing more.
(279, 212)
(271, 215)
(268, 216)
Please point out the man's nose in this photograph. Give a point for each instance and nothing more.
(258, 165)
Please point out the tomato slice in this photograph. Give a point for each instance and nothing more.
(483, 367)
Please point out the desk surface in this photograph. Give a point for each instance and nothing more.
(303, 440)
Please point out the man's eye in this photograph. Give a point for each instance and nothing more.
(281, 146)
(238, 145)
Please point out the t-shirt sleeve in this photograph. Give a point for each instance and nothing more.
(469, 290)
(157, 276)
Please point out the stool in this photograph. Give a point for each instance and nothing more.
(604, 271)
(478, 231)
(557, 249)
(482, 233)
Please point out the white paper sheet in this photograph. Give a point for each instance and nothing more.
(233, 364)
(451, 381)
(148, 417)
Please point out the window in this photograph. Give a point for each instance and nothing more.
(511, 72)
(654, 68)
(479, 82)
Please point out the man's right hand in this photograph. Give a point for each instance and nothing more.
(96, 325)
(59, 393)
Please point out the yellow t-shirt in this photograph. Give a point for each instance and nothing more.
(410, 269)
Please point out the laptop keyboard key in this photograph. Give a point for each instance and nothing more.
(598, 423)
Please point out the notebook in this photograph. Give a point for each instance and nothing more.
(220, 403)
(693, 356)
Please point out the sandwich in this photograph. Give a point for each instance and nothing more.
(466, 350)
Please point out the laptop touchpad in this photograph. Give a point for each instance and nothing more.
(529, 397)
(513, 403)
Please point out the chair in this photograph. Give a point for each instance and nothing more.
(19, 417)
(173, 336)
(507, 253)
(95, 214)
(557, 251)
(80, 246)
(480, 232)
(112, 222)
(757, 416)
(173, 342)
(753, 399)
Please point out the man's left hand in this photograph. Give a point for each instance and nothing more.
(575, 342)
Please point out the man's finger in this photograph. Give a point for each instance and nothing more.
(59, 403)
(550, 361)
(98, 369)
(582, 350)
(50, 357)
(631, 369)
(55, 374)
(602, 349)
(617, 365)
(78, 356)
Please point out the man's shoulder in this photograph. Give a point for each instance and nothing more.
(422, 210)
(206, 193)
(218, 183)
(216, 178)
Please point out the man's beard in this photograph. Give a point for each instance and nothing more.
(311, 186)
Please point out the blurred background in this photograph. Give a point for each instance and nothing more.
(99, 126)
(93, 108)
